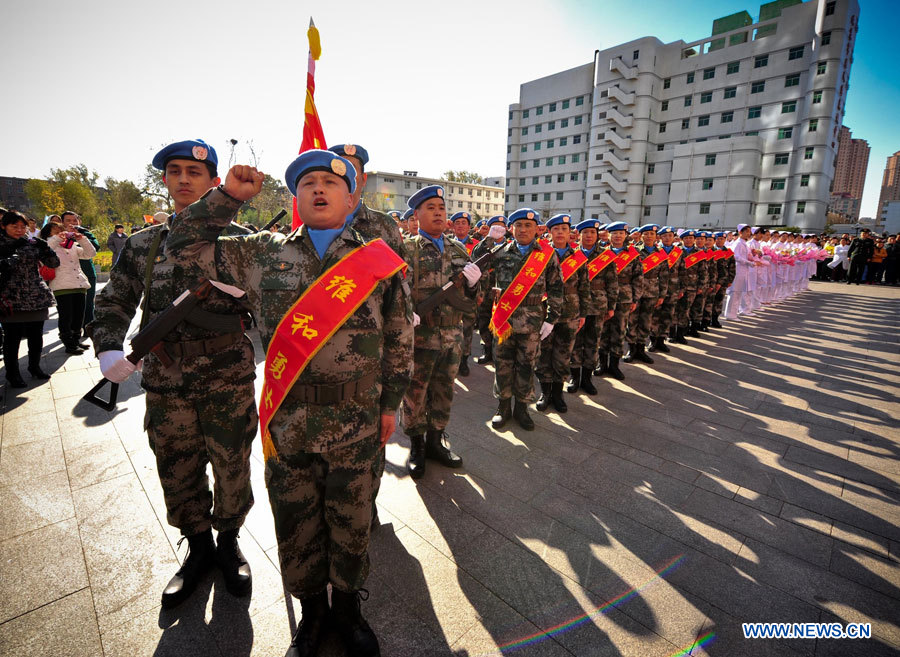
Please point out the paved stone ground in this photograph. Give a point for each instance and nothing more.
(756, 471)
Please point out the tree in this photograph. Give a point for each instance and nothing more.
(376, 201)
(152, 186)
(66, 189)
(125, 203)
(264, 206)
(463, 176)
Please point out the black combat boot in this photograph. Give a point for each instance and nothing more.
(234, 566)
(305, 642)
(602, 364)
(488, 355)
(654, 342)
(704, 326)
(464, 366)
(575, 382)
(673, 332)
(543, 403)
(200, 560)
(679, 336)
(692, 330)
(504, 412)
(659, 345)
(437, 448)
(416, 464)
(641, 354)
(520, 413)
(715, 321)
(586, 384)
(347, 620)
(613, 368)
(557, 397)
(632, 353)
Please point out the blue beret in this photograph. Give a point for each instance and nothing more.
(192, 149)
(647, 227)
(480, 223)
(407, 214)
(665, 229)
(559, 219)
(603, 226)
(318, 160)
(495, 219)
(687, 232)
(704, 233)
(719, 233)
(632, 231)
(524, 213)
(461, 215)
(394, 214)
(588, 223)
(351, 150)
(432, 191)
(616, 225)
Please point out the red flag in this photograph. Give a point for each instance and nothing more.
(313, 137)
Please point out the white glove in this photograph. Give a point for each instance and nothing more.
(416, 320)
(497, 232)
(472, 274)
(115, 366)
(546, 330)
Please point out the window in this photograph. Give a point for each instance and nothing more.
(521, 198)
(801, 207)
(804, 180)
(565, 104)
(813, 125)
(651, 168)
(507, 168)
(788, 106)
(821, 67)
(707, 183)
(524, 114)
(524, 164)
(579, 101)
(710, 160)
(509, 132)
(552, 107)
(524, 131)
(702, 120)
(792, 80)
(573, 177)
(706, 97)
(562, 159)
(537, 145)
(576, 139)
(534, 197)
(649, 190)
(538, 128)
(646, 212)
(690, 78)
(546, 196)
(662, 127)
(826, 38)
(524, 148)
(563, 141)
(665, 106)
(817, 97)
(539, 110)
(564, 123)
(752, 133)
(774, 208)
(704, 208)
(785, 133)
(687, 101)
(551, 125)
(550, 143)
(559, 196)
(709, 73)
(727, 117)
(795, 53)
(685, 124)
(758, 87)
(754, 112)
(730, 92)
(667, 83)
(760, 61)
(535, 180)
(659, 147)
(808, 153)
(548, 179)
(577, 120)
(635, 54)
(829, 8)
(510, 116)
(781, 158)
(576, 158)
(549, 161)
(777, 183)
(733, 67)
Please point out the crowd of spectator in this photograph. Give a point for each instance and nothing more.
(866, 258)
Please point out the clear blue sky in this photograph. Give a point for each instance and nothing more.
(423, 85)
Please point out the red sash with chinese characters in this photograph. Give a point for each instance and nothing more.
(600, 263)
(674, 254)
(519, 288)
(693, 259)
(727, 253)
(653, 260)
(625, 257)
(572, 264)
(471, 246)
(316, 316)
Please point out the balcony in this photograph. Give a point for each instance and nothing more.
(612, 204)
(617, 140)
(621, 96)
(618, 117)
(618, 185)
(628, 72)
(619, 164)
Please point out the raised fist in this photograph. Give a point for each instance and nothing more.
(243, 182)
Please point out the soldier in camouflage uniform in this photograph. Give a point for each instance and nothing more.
(712, 284)
(556, 351)
(604, 291)
(690, 283)
(631, 284)
(461, 224)
(496, 235)
(200, 409)
(656, 285)
(727, 272)
(434, 260)
(703, 286)
(532, 321)
(664, 316)
(339, 412)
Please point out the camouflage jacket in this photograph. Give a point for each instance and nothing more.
(118, 302)
(690, 276)
(656, 281)
(530, 314)
(372, 224)
(727, 269)
(604, 287)
(429, 270)
(631, 282)
(703, 277)
(576, 292)
(275, 270)
(676, 271)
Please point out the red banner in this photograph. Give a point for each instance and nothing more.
(674, 254)
(600, 263)
(625, 258)
(572, 264)
(653, 260)
(518, 289)
(313, 136)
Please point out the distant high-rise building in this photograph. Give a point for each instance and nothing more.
(849, 174)
(890, 182)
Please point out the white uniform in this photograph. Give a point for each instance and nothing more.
(744, 281)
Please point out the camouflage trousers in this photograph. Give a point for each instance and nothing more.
(556, 352)
(587, 342)
(697, 308)
(683, 308)
(426, 404)
(708, 304)
(322, 506)
(640, 320)
(185, 435)
(483, 319)
(514, 361)
(719, 302)
(468, 329)
(613, 336)
(664, 317)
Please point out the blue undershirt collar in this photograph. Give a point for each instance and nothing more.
(437, 241)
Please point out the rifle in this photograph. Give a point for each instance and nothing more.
(150, 339)
(449, 292)
(274, 221)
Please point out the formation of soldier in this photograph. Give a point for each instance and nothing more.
(366, 316)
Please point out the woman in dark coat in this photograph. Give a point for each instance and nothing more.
(24, 296)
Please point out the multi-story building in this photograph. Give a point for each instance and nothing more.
(391, 191)
(12, 194)
(890, 217)
(890, 182)
(849, 174)
(738, 127)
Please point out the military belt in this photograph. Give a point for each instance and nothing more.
(453, 319)
(188, 348)
(331, 394)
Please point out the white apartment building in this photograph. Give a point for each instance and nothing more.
(738, 127)
(391, 191)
